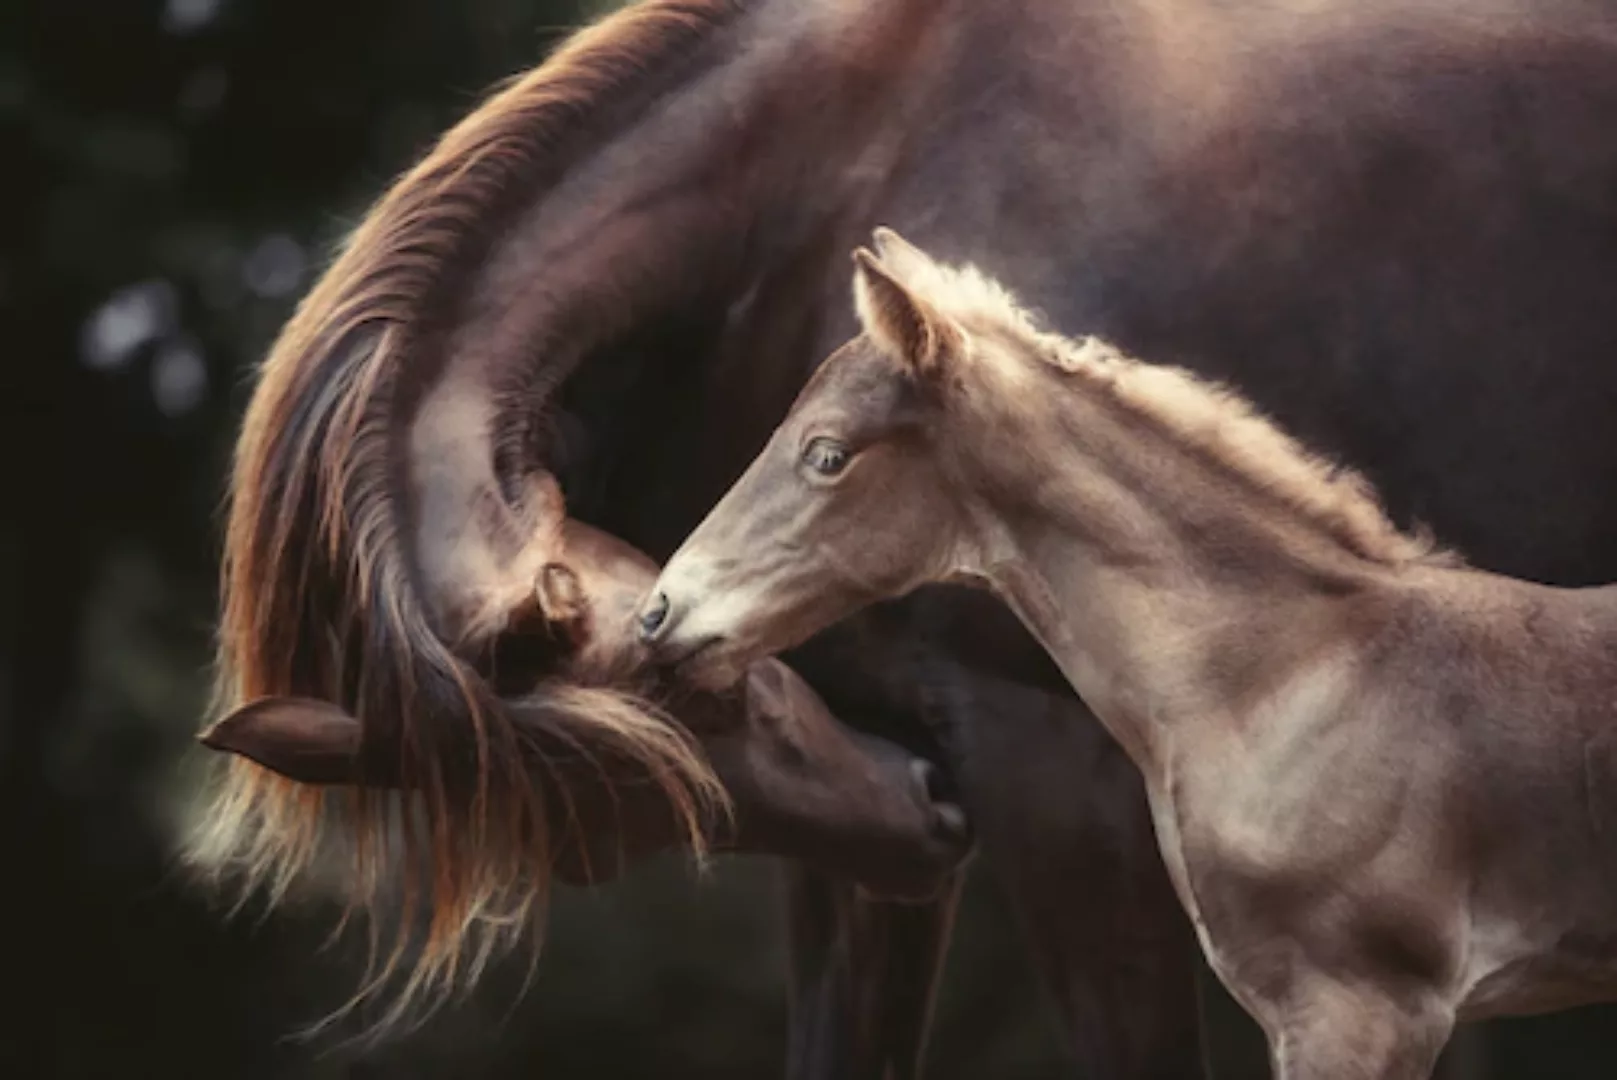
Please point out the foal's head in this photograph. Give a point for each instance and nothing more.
(921, 446)
(856, 497)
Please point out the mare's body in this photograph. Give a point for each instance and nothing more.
(1382, 781)
(1390, 223)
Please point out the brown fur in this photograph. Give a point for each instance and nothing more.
(317, 595)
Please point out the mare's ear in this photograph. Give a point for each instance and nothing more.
(898, 320)
(561, 598)
(302, 739)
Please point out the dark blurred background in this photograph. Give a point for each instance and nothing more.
(175, 172)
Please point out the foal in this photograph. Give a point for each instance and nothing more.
(1385, 785)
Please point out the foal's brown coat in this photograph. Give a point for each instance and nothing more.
(1382, 782)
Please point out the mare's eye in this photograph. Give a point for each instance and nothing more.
(825, 456)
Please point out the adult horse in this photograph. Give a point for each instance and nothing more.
(1391, 224)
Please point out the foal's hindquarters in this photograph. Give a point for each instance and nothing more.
(1412, 828)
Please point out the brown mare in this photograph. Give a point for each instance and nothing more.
(1385, 784)
(1389, 223)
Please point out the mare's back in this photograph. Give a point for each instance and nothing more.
(1393, 225)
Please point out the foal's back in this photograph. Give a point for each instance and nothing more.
(1507, 692)
(1503, 658)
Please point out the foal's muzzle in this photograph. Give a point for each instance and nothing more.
(667, 633)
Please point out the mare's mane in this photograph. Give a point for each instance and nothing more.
(319, 598)
(1212, 419)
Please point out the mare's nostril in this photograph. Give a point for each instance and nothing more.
(655, 617)
(925, 775)
(953, 820)
(942, 794)
(931, 780)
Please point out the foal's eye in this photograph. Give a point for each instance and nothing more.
(825, 456)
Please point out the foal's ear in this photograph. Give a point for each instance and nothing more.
(896, 252)
(897, 319)
(302, 739)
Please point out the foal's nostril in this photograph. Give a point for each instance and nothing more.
(654, 617)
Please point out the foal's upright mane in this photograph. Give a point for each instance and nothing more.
(319, 598)
(1215, 420)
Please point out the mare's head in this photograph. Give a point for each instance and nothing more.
(854, 499)
(801, 783)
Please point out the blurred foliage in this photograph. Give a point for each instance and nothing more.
(176, 173)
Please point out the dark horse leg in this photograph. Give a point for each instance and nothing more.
(1102, 922)
(1065, 832)
(863, 978)
(1113, 948)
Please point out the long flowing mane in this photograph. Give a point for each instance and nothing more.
(1211, 418)
(318, 596)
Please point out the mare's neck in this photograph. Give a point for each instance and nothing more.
(696, 196)
(783, 132)
(1168, 587)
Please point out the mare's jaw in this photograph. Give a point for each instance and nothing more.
(908, 856)
(710, 667)
(807, 785)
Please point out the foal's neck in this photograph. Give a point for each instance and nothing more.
(1173, 570)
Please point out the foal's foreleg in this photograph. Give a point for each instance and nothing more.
(1336, 1032)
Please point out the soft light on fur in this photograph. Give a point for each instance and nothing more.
(318, 598)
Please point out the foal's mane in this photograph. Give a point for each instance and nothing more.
(319, 598)
(1210, 418)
